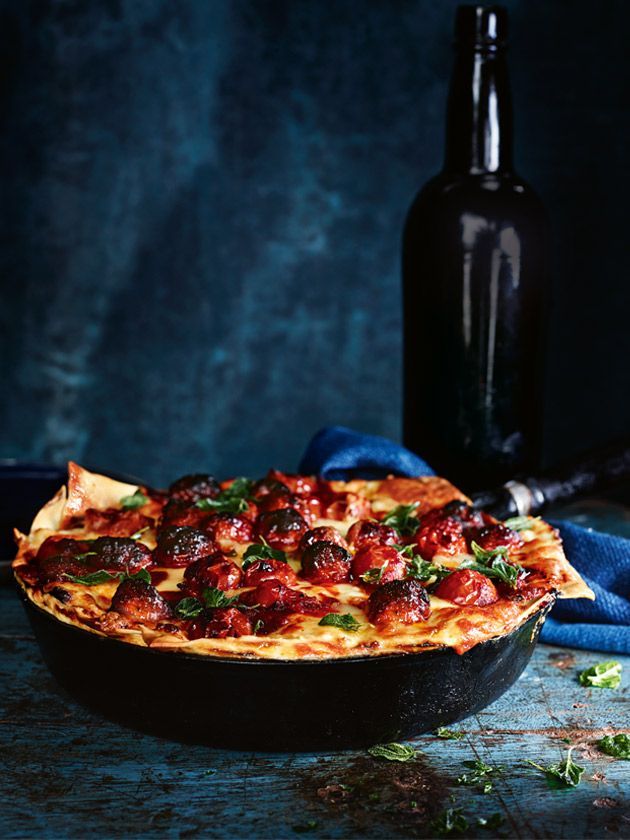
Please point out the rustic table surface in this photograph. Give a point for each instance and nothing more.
(69, 773)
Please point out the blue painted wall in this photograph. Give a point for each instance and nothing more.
(202, 204)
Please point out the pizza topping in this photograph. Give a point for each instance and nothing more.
(323, 533)
(345, 622)
(301, 485)
(181, 546)
(269, 485)
(369, 532)
(439, 533)
(233, 499)
(378, 564)
(281, 529)
(269, 569)
(229, 530)
(219, 624)
(140, 601)
(326, 562)
(494, 564)
(403, 519)
(272, 594)
(399, 602)
(213, 571)
(467, 588)
(493, 536)
(115, 523)
(135, 500)
(62, 547)
(176, 512)
(238, 546)
(342, 504)
(192, 488)
(119, 554)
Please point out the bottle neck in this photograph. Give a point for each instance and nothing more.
(479, 116)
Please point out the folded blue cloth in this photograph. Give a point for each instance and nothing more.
(603, 560)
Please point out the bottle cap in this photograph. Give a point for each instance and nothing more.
(485, 27)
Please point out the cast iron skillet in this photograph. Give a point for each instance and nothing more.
(273, 705)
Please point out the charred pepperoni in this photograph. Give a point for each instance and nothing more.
(272, 594)
(53, 569)
(269, 485)
(276, 500)
(191, 488)
(116, 523)
(62, 547)
(460, 510)
(119, 554)
(181, 513)
(343, 505)
(219, 624)
(467, 588)
(326, 562)
(440, 534)
(181, 546)
(268, 569)
(214, 571)
(370, 532)
(59, 557)
(323, 533)
(398, 602)
(229, 529)
(494, 536)
(301, 485)
(383, 557)
(140, 601)
(282, 529)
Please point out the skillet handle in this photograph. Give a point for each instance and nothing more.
(593, 472)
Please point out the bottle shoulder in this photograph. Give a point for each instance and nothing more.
(506, 198)
(452, 192)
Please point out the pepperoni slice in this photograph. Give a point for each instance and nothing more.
(467, 588)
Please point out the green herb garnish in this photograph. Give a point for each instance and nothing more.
(373, 575)
(423, 570)
(344, 622)
(616, 745)
(393, 752)
(519, 523)
(602, 675)
(480, 776)
(449, 734)
(493, 564)
(189, 608)
(231, 500)
(216, 598)
(262, 551)
(449, 822)
(402, 519)
(101, 576)
(136, 500)
(258, 626)
(93, 579)
(564, 775)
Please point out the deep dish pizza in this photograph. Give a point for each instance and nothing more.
(288, 567)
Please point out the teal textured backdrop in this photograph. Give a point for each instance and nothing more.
(202, 208)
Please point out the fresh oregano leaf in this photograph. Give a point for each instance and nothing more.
(345, 621)
(393, 752)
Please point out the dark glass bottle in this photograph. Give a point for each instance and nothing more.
(474, 281)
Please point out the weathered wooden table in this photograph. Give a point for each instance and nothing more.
(69, 773)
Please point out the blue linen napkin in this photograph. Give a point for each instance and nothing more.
(603, 560)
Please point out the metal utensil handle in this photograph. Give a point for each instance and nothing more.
(592, 472)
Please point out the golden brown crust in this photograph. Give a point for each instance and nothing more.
(449, 625)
